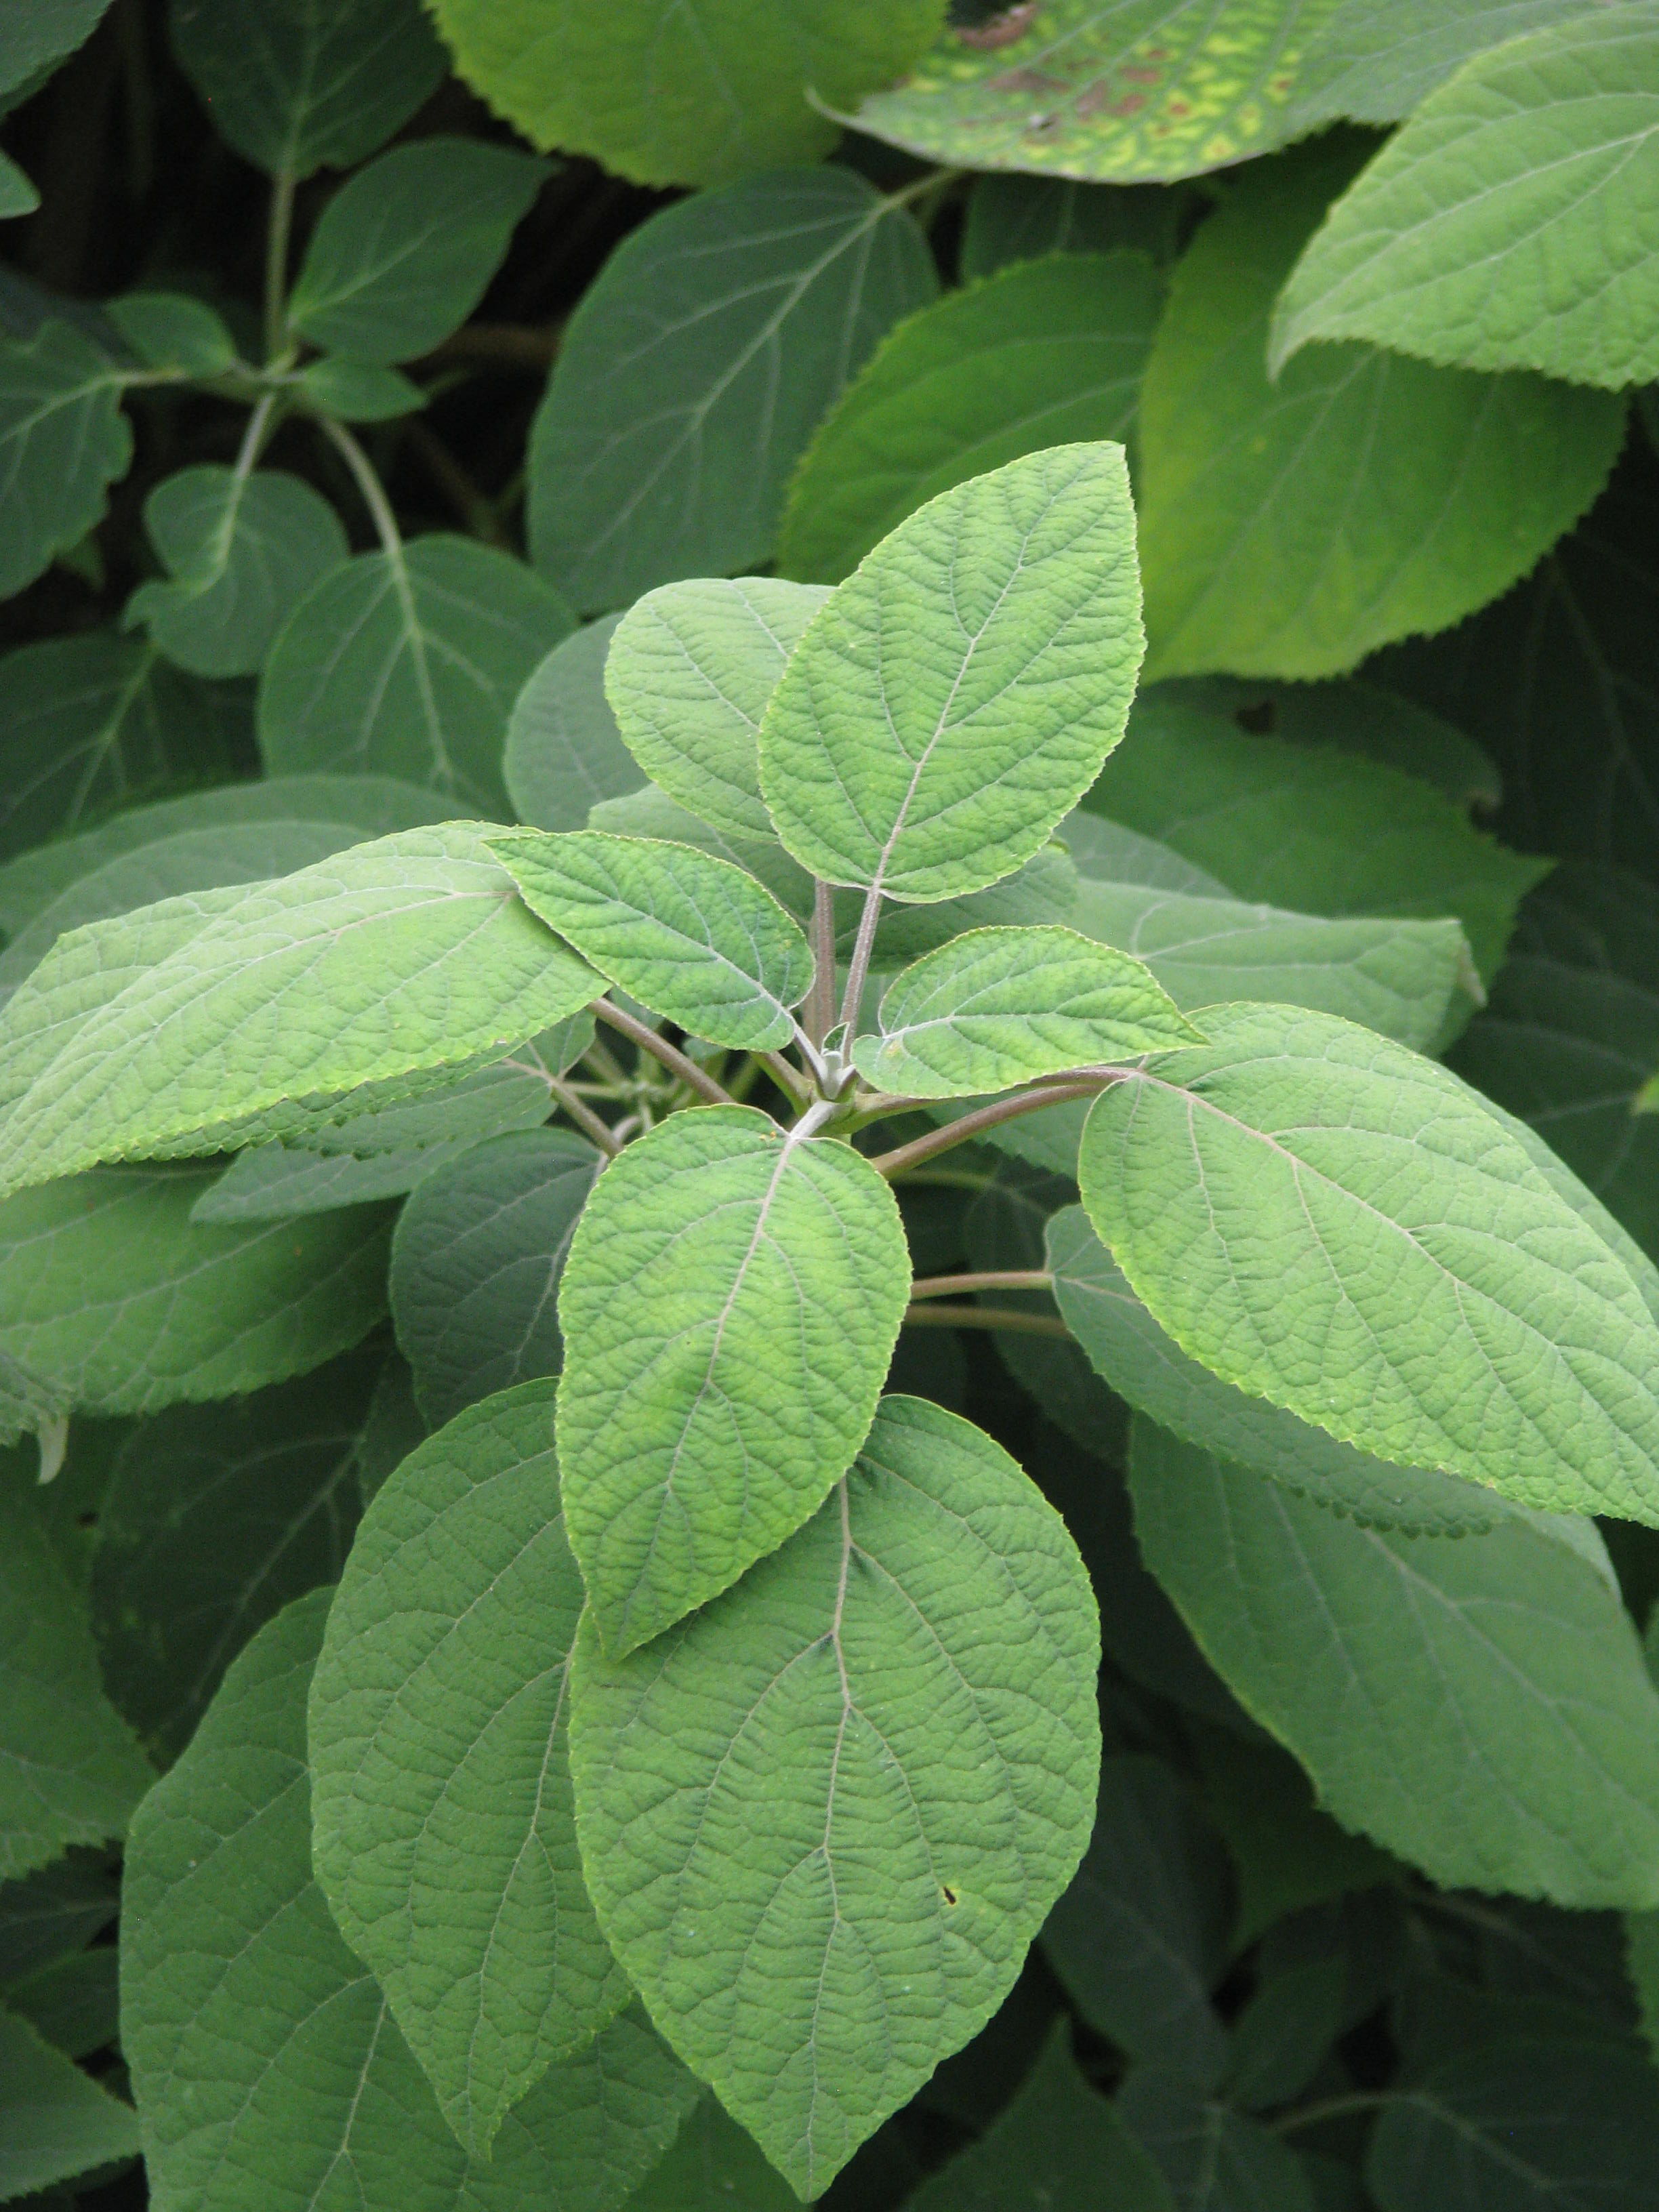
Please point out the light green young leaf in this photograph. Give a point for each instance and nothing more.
(97, 722)
(407, 663)
(1014, 217)
(564, 751)
(64, 441)
(407, 954)
(689, 672)
(55, 2121)
(1308, 828)
(1400, 978)
(697, 367)
(823, 1818)
(70, 1771)
(355, 393)
(1047, 353)
(443, 1831)
(35, 882)
(242, 547)
(1059, 2144)
(1272, 544)
(401, 253)
(693, 938)
(1329, 1222)
(476, 1263)
(295, 87)
(668, 95)
(1115, 90)
(266, 2063)
(999, 1007)
(1509, 225)
(730, 1303)
(715, 2166)
(1146, 1367)
(1539, 2120)
(957, 695)
(1375, 60)
(173, 330)
(110, 1292)
(1477, 1703)
(215, 1517)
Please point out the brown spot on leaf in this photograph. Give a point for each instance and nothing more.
(1001, 30)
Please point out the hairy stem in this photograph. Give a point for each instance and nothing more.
(863, 945)
(986, 1117)
(600, 1132)
(671, 1058)
(820, 1007)
(993, 1278)
(1004, 1317)
(789, 1079)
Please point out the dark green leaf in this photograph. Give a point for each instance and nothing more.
(171, 329)
(1011, 217)
(56, 1912)
(564, 751)
(55, 2121)
(715, 2166)
(38, 37)
(1214, 2159)
(73, 2002)
(64, 441)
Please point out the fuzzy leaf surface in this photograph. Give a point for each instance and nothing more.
(408, 664)
(696, 368)
(476, 1263)
(1047, 353)
(729, 1306)
(861, 1777)
(698, 940)
(1477, 1703)
(1272, 544)
(444, 1833)
(410, 952)
(267, 2065)
(1334, 1225)
(1514, 222)
(564, 751)
(402, 253)
(689, 673)
(956, 696)
(997, 1007)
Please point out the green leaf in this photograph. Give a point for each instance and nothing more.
(407, 954)
(1126, 1347)
(407, 664)
(278, 1181)
(1308, 828)
(691, 937)
(1137, 1940)
(173, 330)
(1048, 353)
(1214, 2159)
(55, 2121)
(296, 88)
(731, 1301)
(113, 1294)
(263, 2056)
(1115, 90)
(1376, 60)
(958, 694)
(1013, 217)
(1400, 978)
(1477, 1703)
(64, 441)
(402, 253)
(1106, 853)
(476, 1264)
(56, 1912)
(98, 866)
(1541, 2123)
(671, 95)
(444, 1833)
(1044, 891)
(356, 393)
(697, 367)
(564, 751)
(1001, 1007)
(822, 1819)
(73, 2003)
(17, 195)
(1059, 2146)
(1504, 226)
(1272, 544)
(39, 37)
(70, 1771)
(1572, 1033)
(688, 676)
(215, 1517)
(1344, 1229)
(242, 547)
(713, 2166)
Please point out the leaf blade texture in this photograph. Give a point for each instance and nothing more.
(1325, 1181)
(968, 1599)
(957, 695)
(720, 1275)
(64, 441)
(564, 751)
(58, 2121)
